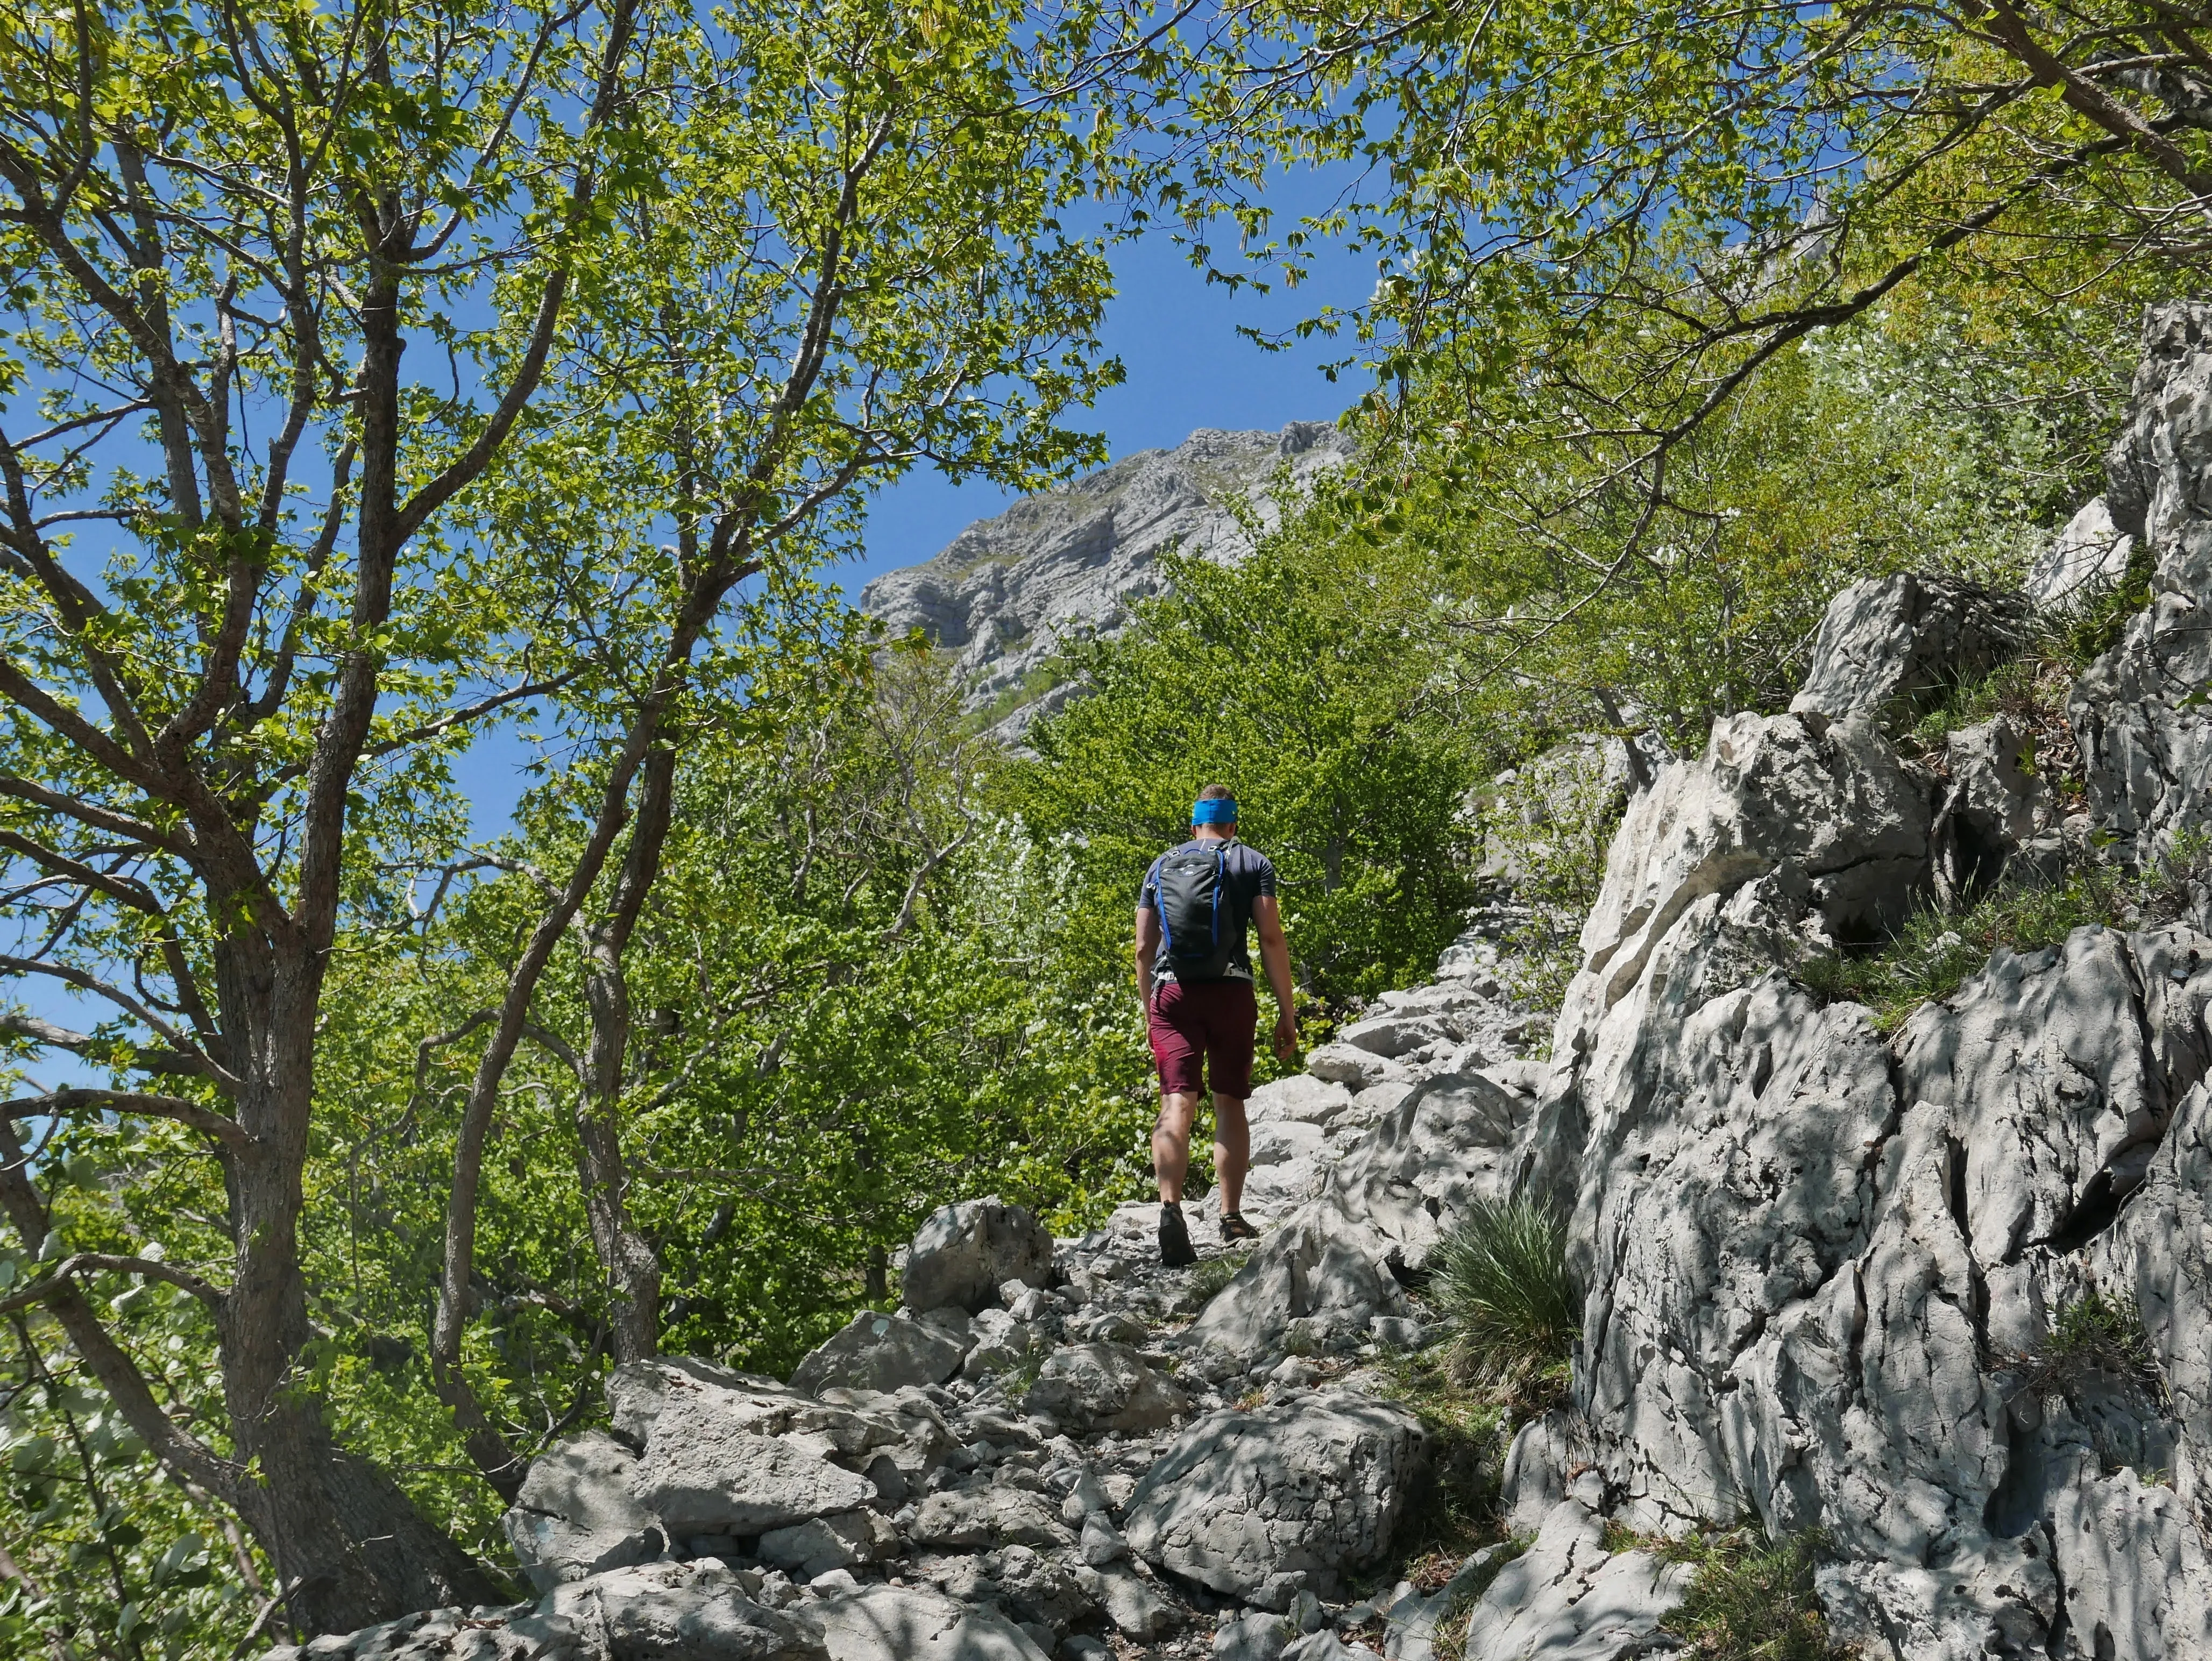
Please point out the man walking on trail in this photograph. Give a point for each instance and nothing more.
(1194, 969)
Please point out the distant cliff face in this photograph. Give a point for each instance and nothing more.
(1010, 590)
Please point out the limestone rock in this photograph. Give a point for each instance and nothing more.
(2089, 555)
(637, 1391)
(1890, 647)
(704, 1474)
(1136, 1606)
(1392, 1035)
(1103, 1386)
(2146, 743)
(975, 1517)
(964, 1253)
(1301, 1097)
(1314, 1275)
(679, 1612)
(1567, 1597)
(816, 1547)
(1261, 1635)
(881, 1353)
(1314, 1485)
(575, 1516)
(893, 1623)
(1351, 1066)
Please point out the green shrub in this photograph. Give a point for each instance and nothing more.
(1752, 1600)
(1502, 1271)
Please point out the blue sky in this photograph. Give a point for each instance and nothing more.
(1188, 368)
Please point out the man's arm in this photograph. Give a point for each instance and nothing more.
(1275, 956)
(1148, 949)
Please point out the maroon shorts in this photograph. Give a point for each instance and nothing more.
(1206, 1025)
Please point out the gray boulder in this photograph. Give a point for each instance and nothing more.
(1314, 1486)
(575, 1516)
(1301, 1097)
(1354, 1068)
(1314, 1283)
(966, 1251)
(1001, 1344)
(823, 1544)
(970, 1519)
(1258, 1635)
(881, 1353)
(705, 1473)
(637, 1391)
(1891, 647)
(1136, 1606)
(894, 1623)
(1103, 1386)
(1396, 1032)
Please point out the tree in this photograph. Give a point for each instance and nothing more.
(1596, 227)
(224, 753)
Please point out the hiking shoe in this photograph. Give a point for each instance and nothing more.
(1176, 1249)
(1235, 1228)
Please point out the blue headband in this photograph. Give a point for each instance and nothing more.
(1222, 810)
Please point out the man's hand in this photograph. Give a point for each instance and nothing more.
(1286, 1036)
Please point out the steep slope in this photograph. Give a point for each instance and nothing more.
(1009, 590)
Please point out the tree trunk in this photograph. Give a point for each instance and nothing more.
(348, 1548)
(631, 1265)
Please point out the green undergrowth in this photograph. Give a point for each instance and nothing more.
(1749, 1599)
(1501, 1273)
(1456, 1514)
(1931, 957)
(1935, 951)
(1212, 1274)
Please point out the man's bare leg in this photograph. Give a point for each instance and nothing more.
(1232, 1151)
(1171, 1143)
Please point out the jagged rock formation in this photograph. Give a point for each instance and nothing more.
(1823, 1262)
(1009, 590)
(1820, 1262)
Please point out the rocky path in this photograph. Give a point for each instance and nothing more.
(1059, 1447)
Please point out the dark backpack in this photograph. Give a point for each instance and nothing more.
(1198, 912)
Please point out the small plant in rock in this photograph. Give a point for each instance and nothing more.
(1750, 1599)
(1211, 1274)
(2095, 1336)
(1501, 1272)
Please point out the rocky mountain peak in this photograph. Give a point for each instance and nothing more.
(1008, 591)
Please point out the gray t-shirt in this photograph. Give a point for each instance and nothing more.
(1250, 875)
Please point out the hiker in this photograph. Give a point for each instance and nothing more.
(1196, 973)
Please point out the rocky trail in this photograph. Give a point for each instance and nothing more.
(1830, 1269)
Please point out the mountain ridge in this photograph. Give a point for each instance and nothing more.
(1008, 592)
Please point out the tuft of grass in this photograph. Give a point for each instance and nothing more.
(1502, 1271)
(1750, 1599)
(1209, 1275)
(1935, 950)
